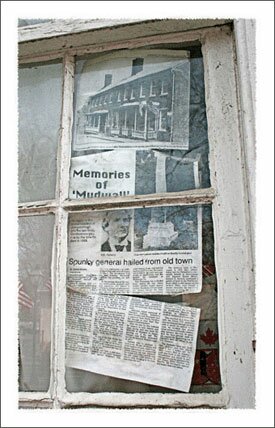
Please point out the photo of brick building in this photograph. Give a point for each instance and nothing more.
(147, 106)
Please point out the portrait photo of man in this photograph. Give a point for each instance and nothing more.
(117, 226)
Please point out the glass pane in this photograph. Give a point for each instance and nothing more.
(86, 281)
(139, 127)
(206, 375)
(34, 297)
(40, 96)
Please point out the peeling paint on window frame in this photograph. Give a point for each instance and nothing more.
(229, 196)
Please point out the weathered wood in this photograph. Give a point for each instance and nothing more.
(231, 223)
(64, 147)
(57, 386)
(125, 37)
(60, 27)
(37, 207)
(59, 273)
(34, 400)
(138, 400)
(44, 403)
(101, 48)
(245, 49)
(187, 197)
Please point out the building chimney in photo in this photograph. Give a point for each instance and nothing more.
(137, 65)
(107, 80)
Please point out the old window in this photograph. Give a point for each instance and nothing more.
(141, 91)
(133, 94)
(153, 88)
(163, 120)
(126, 94)
(164, 88)
(161, 165)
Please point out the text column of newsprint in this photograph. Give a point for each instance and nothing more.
(112, 333)
(132, 338)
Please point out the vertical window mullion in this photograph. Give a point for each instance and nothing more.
(231, 220)
(60, 245)
(64, 149)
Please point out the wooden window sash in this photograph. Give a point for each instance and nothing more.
(223, 145)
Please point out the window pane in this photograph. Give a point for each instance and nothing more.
(39, 123)
(151, 137)
(85, 235)
(206, 375)
(34, 297)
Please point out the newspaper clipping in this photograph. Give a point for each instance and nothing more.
(139, 101)
(131, 136)
(146, 251)
(131, 127)
(132, 172)
(110, 173)
(132, 338)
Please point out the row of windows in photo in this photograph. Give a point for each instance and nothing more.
(155, 88)
(133, 121)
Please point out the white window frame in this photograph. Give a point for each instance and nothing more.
(141, 93)
(162, 92)
(125, 97)
(132, 97)
(229, 195)
(153, 94)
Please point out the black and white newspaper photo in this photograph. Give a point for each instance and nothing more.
(132, 338)
(132, 112)
(136, 100)
(146, 251)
